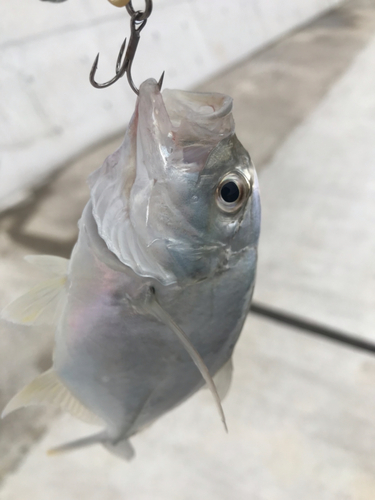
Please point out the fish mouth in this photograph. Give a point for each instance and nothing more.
(199, 117)
(176, 123)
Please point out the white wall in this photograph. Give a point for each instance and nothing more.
(48, 110)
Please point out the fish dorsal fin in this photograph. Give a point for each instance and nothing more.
(50, 264)
(47, 389)
(43, 303)
(163, 316)
(223, 378)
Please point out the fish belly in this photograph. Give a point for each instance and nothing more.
(124, 364)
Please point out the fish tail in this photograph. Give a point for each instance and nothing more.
(121, 448)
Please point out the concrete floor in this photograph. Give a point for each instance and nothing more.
(301, 410)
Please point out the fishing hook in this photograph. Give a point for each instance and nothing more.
(137, 23)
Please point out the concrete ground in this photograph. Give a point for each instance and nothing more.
(301, 409)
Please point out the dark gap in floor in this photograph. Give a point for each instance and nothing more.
(309, 326)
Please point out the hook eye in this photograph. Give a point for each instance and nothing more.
(143, 15)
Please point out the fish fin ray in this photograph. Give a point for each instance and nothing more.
(47, 389)
(40, 305)
(163, 316)
(50, 264)
(223, 378)
(121, 448)
(98, 438)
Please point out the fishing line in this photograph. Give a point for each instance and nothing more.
(312, 327)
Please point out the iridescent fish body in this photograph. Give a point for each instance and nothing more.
(154, 297)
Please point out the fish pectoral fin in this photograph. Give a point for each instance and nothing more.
(43, 303)
(40, 305)
(47, 389)
(223, 378)
(121, 448)
(50, 264)
(163, 316)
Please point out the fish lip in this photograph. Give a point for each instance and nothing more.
(192, 108)
(218, 111)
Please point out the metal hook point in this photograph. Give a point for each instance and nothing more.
(94, 67)
(160, 82)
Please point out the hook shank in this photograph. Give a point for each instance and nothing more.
(137, 23)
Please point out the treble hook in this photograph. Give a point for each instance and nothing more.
(137, 23)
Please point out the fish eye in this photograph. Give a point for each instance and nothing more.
(232, 191)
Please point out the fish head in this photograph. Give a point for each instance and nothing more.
(179, 200)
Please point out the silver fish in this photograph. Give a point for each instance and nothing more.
(154, 297)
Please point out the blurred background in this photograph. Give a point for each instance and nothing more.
(50, 113)
(301, 410)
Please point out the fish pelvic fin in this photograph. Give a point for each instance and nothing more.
(43, 303)
(122, 449)
(223, 378)
(158, 311)
(47, 389)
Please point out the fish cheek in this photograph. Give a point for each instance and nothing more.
(194, 265)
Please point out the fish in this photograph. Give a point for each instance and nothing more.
(150, 305)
